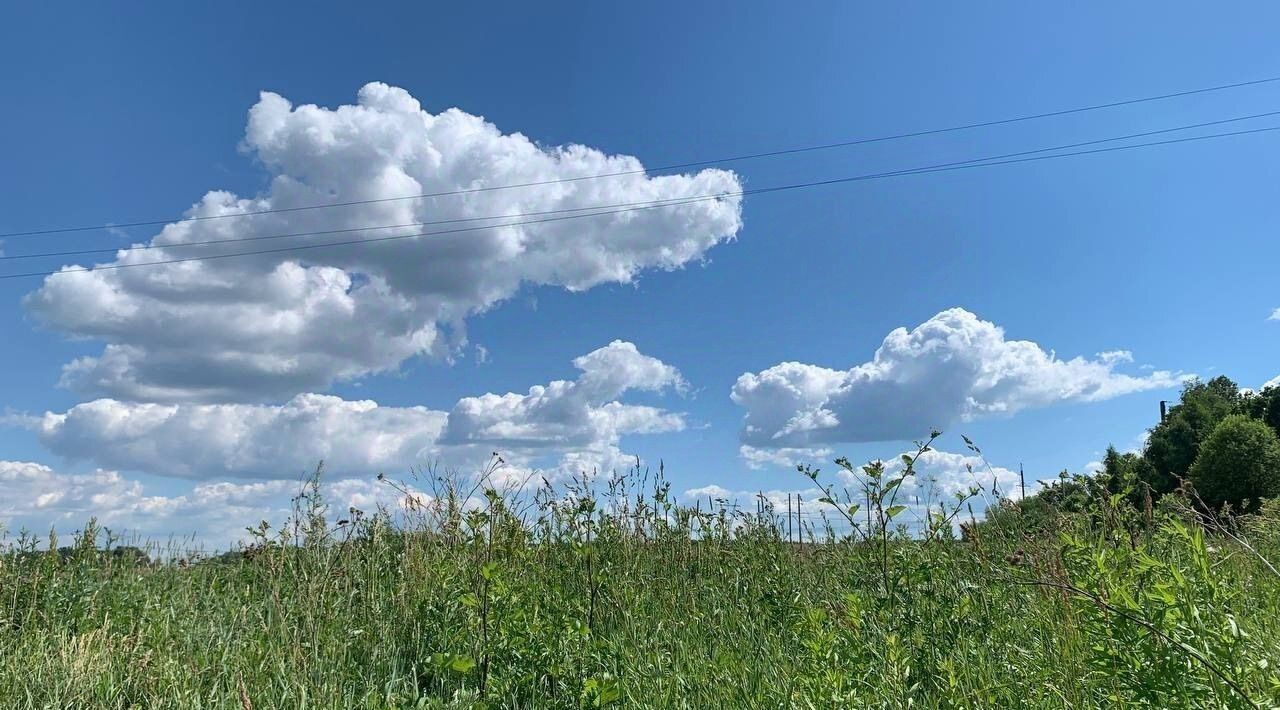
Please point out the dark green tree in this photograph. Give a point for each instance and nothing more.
(1263, 406)
(131, 556)
(1126, 473)
(1174, 443)
(1240, 460)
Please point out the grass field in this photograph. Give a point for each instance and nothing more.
(620, 597)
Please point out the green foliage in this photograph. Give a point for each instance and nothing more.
(1127, 471)
(612, 594)
(1240, 460)
(1263, 406)
(1174, 443)
(1038, 514)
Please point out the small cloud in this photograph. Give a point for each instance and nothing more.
(758, 458)
(482, 354)
(712, 491)
(1275, 315)
(1113, 357)
(20, 420)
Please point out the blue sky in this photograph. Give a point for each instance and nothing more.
(135, 112)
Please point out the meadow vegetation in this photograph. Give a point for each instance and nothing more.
(1099, 591)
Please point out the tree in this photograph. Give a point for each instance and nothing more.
(1240, 460)
(1174, 443)
(1263, 406)
(1067, 496)
(131, 556)
(1125, 473)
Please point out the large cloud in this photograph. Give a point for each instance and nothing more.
(565, 426)
(270, 326)
(952, 367)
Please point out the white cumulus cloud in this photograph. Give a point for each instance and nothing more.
(945, 474)
(566, 426)
(787, 457)
(243, 440)
(270, 326)
(953, 367)
(581, 418)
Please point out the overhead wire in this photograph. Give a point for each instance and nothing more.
(662, 168)
(679, 200)
(660, 204)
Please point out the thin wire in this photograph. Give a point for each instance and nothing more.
(676, 166)
(645, 203)
(760, 191)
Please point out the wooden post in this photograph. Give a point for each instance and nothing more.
(799, 520)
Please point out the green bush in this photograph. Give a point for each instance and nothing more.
(1240, 460)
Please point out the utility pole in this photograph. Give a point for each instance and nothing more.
(1163, 410)
(1022, 481)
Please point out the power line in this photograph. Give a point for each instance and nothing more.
(676, 166)
(646, 203)
(759, 191)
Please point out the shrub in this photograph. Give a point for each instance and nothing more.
(1240, 460)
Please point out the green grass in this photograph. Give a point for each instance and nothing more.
(584, 600)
